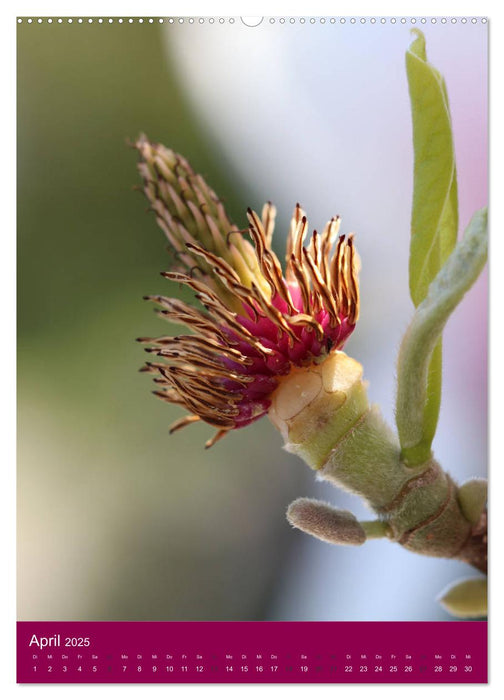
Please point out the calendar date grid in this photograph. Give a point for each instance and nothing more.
(251, 652)
(156, 662)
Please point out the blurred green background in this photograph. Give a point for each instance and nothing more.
(117, 520)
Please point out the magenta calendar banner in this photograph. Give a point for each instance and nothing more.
(251, 652)
(280, 475)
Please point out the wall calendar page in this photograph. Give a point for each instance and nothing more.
(252, 349)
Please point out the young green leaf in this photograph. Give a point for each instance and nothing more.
(434, 218)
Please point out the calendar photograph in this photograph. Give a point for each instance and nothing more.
(252, 349)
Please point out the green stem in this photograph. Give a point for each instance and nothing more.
(448, 288)
(375, 529)
(325, 418)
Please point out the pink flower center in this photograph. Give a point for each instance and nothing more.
(300, 348)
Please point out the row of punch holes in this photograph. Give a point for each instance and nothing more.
(250, 21)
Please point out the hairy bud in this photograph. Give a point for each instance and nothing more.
(326, 523)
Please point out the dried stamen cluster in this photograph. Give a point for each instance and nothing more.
(255, 324)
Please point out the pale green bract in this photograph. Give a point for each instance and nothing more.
(466, 598)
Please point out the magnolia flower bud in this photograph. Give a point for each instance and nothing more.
(326, 523)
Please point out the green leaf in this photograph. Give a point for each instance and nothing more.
(434, 217)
